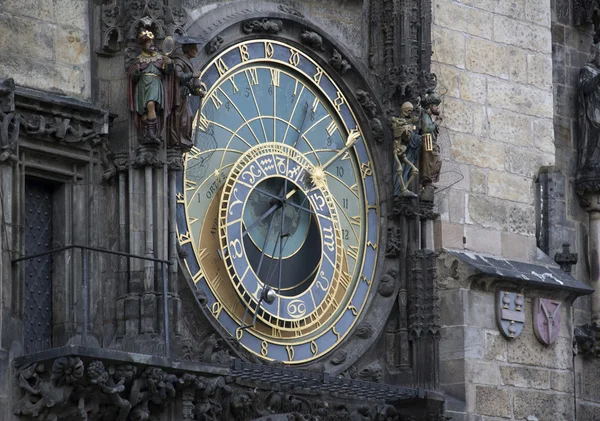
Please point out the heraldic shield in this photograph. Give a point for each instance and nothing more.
(510, 313)
(546, 320)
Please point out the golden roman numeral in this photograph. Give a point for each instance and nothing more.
(352, 252)
(234, 86)
(216, 101)
(190, 185)
(180, 198)
(355, 220)
(221, 67)
(315, 105)
(203, 122)
(345, 280)
(197, 276)
(252, 75)
(216, 309)
(217, 281)
(331, 128)
(276, 333)
(275, 77)
(202, 253)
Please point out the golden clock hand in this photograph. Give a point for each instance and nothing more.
(318, 176)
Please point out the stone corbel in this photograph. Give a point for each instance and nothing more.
(9, 121)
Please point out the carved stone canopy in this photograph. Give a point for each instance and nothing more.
(69, 382)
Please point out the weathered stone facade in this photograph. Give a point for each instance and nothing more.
(136, 340)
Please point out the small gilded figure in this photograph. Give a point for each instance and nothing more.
(187, 83)
(407, 143)
(150, 90)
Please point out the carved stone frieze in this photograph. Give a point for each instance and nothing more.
(262, 26)
(121, 23)
(47, 118)
(91, 388)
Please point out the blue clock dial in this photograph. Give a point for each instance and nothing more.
(278, 194)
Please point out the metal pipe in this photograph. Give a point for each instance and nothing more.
(165, 310)
(118, 253)
(84, 297)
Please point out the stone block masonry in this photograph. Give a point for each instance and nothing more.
(46, 44)
(494, 66)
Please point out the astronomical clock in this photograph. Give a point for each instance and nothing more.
(278, 203)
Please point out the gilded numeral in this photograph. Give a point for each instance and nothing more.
(269, 50)
(216, 101)
(338, 101)
(367, 280)
(294, 57)
(235, 248)
(373, 246)
(221, 67)
(345, 280)
(252, 75)
(239, 332)
(355, 220)
(276, 333)
(336, 333)
(203, 122)
(217, 281)
(314, 348)
(352, 252)
(315, 104)
(216, 309)
(354, 189)
(296, 328)
(190, 185)
(353, 309)
(185, 238)
(331, 128)
(198, 276)
(180, 198)
(328, 239)
(244, 52)
(346, 156)
(264, 348)
(317, 76)
(366, 170)
(322, 282)
(275, 77)
(233, 85)
(290, 352)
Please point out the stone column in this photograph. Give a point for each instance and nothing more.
(592, 205)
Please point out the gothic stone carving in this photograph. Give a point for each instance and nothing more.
(339, 63)
(9, 121)
(587, 338)
(262, 26)
(213, 45)
(370, 109)
(566, 259)
(122, 24)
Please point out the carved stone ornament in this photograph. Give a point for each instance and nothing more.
(313, 40)
(587, 338)
(546, 320)
(510, 313)
(46, 118)
(262, 26)
(213, 45)
(121, 25)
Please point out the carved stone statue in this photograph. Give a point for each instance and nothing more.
(406, 149)
(150, 93)
(431, 160)
(187, 82)
(588, 164)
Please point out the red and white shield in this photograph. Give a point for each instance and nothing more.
(546, 320)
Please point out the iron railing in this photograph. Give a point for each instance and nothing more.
(84, 284)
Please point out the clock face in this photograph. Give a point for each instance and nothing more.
(277, 204)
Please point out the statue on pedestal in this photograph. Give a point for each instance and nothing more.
(431, 160)
(187, 82)
(407, 144)
(588, 163)
(150, 90)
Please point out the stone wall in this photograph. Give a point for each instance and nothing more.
(489, 377)
(46, 45)
(494, 64)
